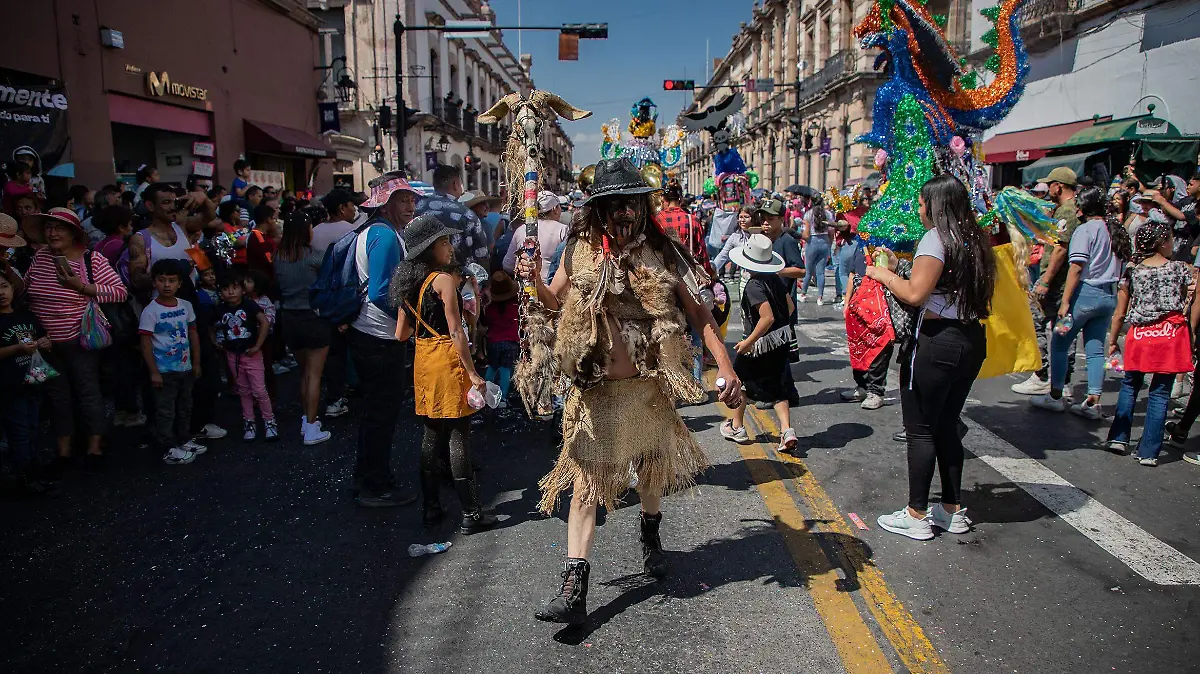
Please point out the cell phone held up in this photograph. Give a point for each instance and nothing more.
(62, 265)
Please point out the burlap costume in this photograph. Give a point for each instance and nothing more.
(610, 425)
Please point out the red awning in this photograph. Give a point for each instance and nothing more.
(273, 139)
(1030, 144)
(140, 112)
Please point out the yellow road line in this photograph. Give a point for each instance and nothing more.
(856, 645)
(896, 622)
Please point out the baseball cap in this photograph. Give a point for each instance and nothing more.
(1040, 188)
(771, 207)
(547, 201)
(1062, 175)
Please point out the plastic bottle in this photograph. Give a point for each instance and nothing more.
(417, 550)
(1063, 325)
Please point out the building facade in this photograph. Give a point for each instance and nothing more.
(828, 90)
(171, 84)
(446, 84)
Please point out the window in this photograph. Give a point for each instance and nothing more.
(435, 72)
(469, 94)
(453, 79)
(1168, 24)
(826, 31)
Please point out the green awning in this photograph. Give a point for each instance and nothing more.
(1130, 129)
(1038, 169)
(1182, 151)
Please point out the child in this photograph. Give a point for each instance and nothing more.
(762, 357)
(171, 349)
(871, 383)
(501, 318)
(21, 335)
(256, 283)
(1153, 295)
(240, 330)
(208, 384)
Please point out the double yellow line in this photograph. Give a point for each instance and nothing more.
(823, 543)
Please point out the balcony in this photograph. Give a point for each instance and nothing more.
(462, 122)
(1044, 22)
(838, 66)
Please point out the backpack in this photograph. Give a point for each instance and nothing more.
(123, 260)
(337, 294)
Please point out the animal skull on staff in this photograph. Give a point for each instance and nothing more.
(536, 370)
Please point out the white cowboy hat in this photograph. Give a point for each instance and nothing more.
(756, 255)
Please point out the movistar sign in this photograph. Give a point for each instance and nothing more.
(160, 84)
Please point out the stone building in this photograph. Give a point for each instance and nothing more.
(447, 82)
(827, 93)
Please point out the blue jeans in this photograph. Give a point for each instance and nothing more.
(843, 261)
(19, 422)
(1091, 312)
(1156, 411)
(816, 257)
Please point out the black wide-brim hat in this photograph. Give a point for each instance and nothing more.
(617, 177)
(422, 233)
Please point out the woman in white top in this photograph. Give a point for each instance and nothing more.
(953, 276)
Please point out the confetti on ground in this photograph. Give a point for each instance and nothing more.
(705, 587)
(858, 521)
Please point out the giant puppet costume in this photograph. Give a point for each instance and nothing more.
(928, 119)
(611, 333)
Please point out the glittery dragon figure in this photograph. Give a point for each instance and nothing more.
(920, 62)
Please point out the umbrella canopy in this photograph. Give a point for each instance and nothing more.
(802, 190)
(874, 180)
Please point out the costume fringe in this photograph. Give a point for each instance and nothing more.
(537, 369)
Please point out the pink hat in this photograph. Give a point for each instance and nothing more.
(384, 186)
(62, 215)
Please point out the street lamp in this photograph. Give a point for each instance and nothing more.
(344, 86)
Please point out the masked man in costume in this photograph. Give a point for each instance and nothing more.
(624, 295)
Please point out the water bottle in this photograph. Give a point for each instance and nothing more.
(1063, 325)
(475, 399)
(417, 550)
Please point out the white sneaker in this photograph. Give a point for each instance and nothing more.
(212, 432)
(956, 523)
(900, 522)
(1087, 411)
(177, 456)
(337, 408)
(249, 430)
(787, 440)
(873, 401)
(270, 430)
(194, 447)
(313, 435)
(854, 395)
(280, 369)
(739, 435)
(1033, 386)
(1148, 461)
(820, 302)
(1049, 403)
(802, 298)
(1117, 447)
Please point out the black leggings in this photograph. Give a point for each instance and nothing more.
(949, 355)
(447, 441)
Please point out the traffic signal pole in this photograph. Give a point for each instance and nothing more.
(587, 31)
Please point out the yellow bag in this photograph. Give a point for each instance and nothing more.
(440, 381)
(1011, 336)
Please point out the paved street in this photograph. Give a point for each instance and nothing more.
(254, 559)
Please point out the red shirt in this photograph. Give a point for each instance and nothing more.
(501, 318)
(685, 227)
(260, 253)
(61, 309)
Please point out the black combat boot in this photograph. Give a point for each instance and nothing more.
(475, 519)
(652, 551)
(570, 606)
(431, 484)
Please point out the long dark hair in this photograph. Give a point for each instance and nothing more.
(296, 242)
(970, 269)
(410, 275)
(820, 221)
(588, 222)
(1092, 202)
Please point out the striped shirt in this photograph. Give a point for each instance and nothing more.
(61, 309)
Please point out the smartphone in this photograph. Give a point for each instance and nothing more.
(64, 266)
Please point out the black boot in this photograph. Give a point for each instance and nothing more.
(475, 519)
(652, 553)
(431, 484)
(570, 606)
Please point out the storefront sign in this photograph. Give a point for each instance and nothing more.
(1022, 155)
(203, 168)
(267, 179)
(160, 84)
(1150, 126)
(33, 114)
(203, 149)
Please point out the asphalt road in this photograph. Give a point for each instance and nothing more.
(254, 558)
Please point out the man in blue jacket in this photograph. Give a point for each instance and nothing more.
(378, 355)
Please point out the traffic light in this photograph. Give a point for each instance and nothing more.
(679, 85)
(385, 117)
(586, 31)
(471, 162)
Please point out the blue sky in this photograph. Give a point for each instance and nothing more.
(648, 41)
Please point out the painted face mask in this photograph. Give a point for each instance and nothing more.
(625, 215)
